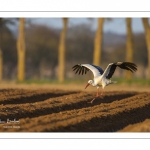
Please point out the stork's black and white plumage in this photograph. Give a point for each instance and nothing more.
(102, 77)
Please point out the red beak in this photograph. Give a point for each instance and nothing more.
(87, 85)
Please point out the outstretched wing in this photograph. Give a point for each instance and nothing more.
(109, 71)
(83, 68)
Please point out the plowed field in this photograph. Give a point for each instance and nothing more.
(23, 110)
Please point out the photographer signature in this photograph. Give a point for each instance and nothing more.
(9, 121)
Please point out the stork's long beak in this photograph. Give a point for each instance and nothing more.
(87, 85)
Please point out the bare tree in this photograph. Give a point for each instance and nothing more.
(129, 45)
(98, 42)
(1, 65)
(21, 50)
(1, 57)
(3, 25)
(147, 36)
(61, 54)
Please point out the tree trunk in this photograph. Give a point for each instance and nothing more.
(98, 42)
(61, 54)
(129, 45)
(1, 53)
(147, 36)
(21, 50)
(1, 65)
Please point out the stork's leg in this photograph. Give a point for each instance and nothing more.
(92, 100)
(97, 92)
(97, 95)
(102, 93)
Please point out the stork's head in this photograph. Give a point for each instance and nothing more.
(89, 83)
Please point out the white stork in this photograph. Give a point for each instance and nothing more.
(102, 78)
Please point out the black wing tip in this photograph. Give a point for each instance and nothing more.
(125, 62)
(128, 66)
(132, 65)
(76, 66)
(79, 69)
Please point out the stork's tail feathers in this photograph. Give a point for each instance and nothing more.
(113, 82)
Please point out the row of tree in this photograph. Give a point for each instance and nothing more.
(129, 42)
(97, 52)
(98, 45)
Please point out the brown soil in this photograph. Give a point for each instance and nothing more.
(53, 110)
(138, 127)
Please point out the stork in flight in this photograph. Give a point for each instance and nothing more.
(102, 78)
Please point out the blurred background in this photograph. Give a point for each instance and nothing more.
(46, 49)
